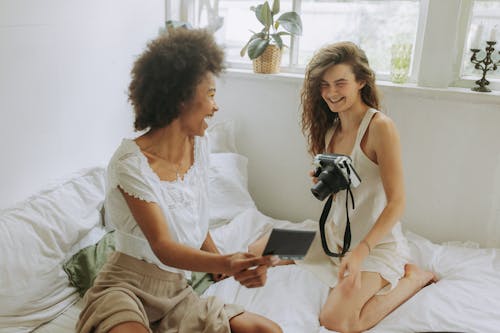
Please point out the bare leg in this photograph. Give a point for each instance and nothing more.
(378, 307)
(248, 322)
(129, 327)
(351, 310)
(258, 246)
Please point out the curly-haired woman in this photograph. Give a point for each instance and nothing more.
(156, 199)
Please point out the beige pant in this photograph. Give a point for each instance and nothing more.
(129, 289)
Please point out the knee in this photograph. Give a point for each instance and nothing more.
(266, 327)
(251, 323)
(331, 323)
(336, 323)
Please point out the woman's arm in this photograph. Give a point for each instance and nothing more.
(387, 149)
(209, 246)
(152, 222)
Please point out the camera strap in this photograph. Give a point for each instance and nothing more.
(347, 232)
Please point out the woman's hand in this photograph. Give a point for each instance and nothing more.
(252, 277)
(238, 262)
(219, 277)
(250, 270)
(351, 264)
(311, 174)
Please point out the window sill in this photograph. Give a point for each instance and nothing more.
(452, 93)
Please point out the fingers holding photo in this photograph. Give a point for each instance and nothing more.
(252, 277)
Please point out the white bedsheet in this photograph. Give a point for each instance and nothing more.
(465, 299)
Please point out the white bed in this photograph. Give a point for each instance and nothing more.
(465, 299)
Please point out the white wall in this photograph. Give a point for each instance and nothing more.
(65, 68)
(451, 154)
(64, 72)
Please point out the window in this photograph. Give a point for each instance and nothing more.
(441, 32)
(362, 22)
(485, 18)
(238, 20)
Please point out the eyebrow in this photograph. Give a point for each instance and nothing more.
(336, 81)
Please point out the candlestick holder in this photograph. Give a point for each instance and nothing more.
(486, 64)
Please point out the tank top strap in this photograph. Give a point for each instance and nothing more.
(364, 126)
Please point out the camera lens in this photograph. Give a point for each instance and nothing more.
(321, 190)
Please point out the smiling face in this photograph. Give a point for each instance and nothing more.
(195, 112)
(340, 90)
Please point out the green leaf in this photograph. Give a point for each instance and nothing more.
(257, 47)
(276, 7)
(278, 40)
(255, 36)
(244, 49)
(264, 15)
(284, 33)
(291, 22)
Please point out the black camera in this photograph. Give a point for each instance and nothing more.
(335, 173)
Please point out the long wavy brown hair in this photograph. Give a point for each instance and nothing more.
(317, 117)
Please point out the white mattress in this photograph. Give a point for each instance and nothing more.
(465, 299)
(65, 323)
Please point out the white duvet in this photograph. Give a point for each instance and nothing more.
(465, 299)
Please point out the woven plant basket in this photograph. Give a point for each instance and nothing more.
(268, 62)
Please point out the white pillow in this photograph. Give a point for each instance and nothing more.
(228, 192)
(227, 187)
(244, 229)
(36, 237)
(221, 136)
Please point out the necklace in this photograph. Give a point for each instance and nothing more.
(177, 170)
(173, 167)
(168, 165)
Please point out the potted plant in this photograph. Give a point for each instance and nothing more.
(265, 47)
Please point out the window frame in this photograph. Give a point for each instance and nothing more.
(437, 62)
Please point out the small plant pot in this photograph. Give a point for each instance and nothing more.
(268, 62)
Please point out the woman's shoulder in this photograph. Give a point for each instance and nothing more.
(381, 122)
(127, 154)
(382, 128)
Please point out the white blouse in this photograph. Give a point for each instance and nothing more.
(184, 202)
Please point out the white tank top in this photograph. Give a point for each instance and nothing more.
(369, 198)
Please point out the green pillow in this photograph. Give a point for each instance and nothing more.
(200, 281)
(83, 267)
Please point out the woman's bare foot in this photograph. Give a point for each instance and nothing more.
(424, 278)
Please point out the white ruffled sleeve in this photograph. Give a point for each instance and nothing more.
(132, 176)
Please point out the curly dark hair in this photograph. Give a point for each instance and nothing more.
(167, 73)
(317, 117)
